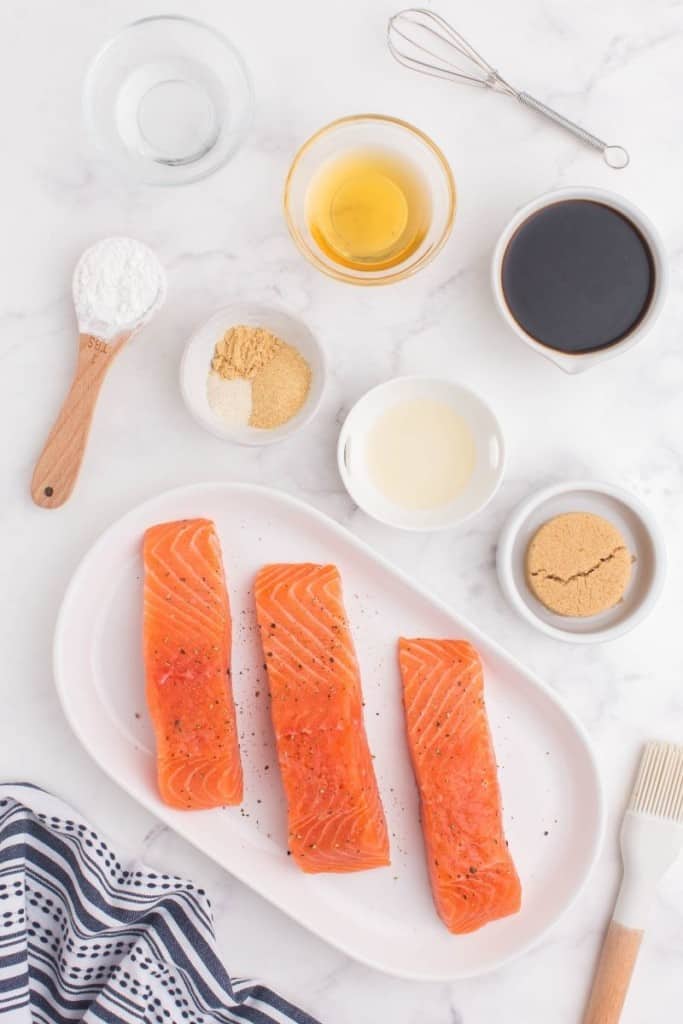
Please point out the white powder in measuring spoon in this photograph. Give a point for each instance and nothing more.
(118, 283)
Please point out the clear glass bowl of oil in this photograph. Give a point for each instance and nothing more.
(369, 199)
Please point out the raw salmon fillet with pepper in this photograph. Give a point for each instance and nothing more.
(187, 643)
(335, 816)
(473, 878)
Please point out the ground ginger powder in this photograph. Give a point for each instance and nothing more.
(279, 376)
(243, 351)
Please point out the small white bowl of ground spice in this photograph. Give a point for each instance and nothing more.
(252, 374)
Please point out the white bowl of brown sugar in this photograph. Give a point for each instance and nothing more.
(252, 374)
(583, 561)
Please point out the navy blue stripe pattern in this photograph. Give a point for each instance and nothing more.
(84, 937)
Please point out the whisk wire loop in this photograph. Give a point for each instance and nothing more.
(414, 31)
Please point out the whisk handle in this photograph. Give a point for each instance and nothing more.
(615, 156)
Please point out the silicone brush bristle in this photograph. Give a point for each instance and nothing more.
(658, 790)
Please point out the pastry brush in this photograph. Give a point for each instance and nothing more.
(651, 838)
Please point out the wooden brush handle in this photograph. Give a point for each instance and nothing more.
(613, 974)
(57, 468)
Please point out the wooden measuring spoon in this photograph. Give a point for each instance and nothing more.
(106, 264)
(58, 466)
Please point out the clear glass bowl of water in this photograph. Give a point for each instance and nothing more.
(168, 100)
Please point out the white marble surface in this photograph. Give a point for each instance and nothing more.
(617, 66)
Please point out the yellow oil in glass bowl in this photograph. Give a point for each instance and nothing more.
(368, 208)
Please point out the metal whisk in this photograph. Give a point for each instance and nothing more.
(424, 41)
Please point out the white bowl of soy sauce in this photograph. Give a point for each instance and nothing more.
(580, 275)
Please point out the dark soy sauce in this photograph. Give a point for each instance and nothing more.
(578, 276)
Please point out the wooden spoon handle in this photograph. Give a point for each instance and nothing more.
(613, 974)
(57, 468)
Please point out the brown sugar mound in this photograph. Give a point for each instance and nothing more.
(578, 564)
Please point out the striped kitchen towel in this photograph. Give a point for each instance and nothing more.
(86, 937)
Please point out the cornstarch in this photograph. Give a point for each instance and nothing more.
(116, 283)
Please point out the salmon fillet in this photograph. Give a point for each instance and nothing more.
(187, 643)
(472, 874)
(336, 821)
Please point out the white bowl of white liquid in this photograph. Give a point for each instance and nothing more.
(420, 453)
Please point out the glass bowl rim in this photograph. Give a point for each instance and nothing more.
(402, 271)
